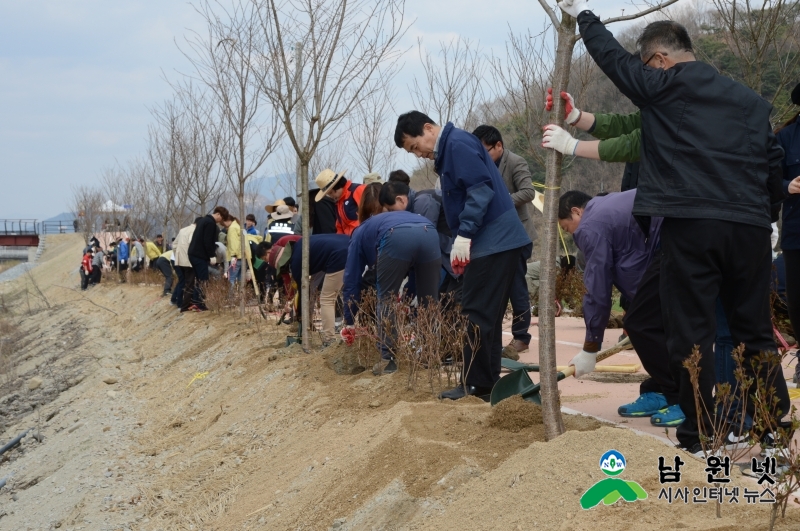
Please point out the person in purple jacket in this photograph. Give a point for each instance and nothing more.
(489, 244)
(618, 253)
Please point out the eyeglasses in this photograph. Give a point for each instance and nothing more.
(654, 54)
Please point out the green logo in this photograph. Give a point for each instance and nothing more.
(611, 489)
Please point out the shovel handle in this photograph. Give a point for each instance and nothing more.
(625, 344)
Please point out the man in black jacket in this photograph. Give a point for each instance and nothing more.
(711, 166)
(202, 248)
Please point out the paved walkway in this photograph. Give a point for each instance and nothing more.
(596, 398)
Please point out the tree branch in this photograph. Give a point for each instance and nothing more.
(659, 7)
(552, 14)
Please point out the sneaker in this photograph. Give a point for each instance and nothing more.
(736, 442)
(695, 450)
(769, 448)
(384, 367)
(646, 405)
(670, 416)
(166, 294)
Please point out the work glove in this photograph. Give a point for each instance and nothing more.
(571, 113)
(348, 334)
(556, 138)
(459, 255)
(584, 362)
(573, 7)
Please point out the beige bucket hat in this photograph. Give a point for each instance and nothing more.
(326, 180)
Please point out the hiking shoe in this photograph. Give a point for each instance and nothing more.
(670, 416)
(646, 405)
(384, 367)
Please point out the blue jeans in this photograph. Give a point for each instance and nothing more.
(234, 272)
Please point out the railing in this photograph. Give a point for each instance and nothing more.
(18, 227)
(58, 227)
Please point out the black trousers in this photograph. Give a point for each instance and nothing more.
(84, 279)
(521, 304)
(196, 277)
(484, 299)
(644, 324)
(703, 259)
(791, 259)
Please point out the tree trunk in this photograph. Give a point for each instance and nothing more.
(305, 295)
(551, 402)
(242, 259)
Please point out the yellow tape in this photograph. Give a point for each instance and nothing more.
(197, 376)
(543, 187)
(794, 394)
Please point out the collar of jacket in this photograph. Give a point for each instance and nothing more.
(442, 145)
(502, 161)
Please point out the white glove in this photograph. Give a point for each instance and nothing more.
(459, 255)
(584, 362)
(573, 7)
(557, 138)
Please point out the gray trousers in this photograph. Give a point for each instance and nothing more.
(162, 264)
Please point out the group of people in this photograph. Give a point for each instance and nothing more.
(687, 240)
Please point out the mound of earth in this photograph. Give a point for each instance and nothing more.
(154, 420)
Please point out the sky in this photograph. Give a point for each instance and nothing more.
(78, 79)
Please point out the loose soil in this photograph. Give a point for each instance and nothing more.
(153, 420)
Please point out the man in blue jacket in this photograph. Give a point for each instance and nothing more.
(490, 239)
(123, 256)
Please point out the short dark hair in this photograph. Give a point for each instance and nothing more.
(400, 176)
(223, 213)
(197, 220)
(570, 200)
(488, 134)
(159, 236)
(262, 249)
(663, 34)
(251, 217)
(410, 124)
(339, 184)
(289, 201)
(390, 191)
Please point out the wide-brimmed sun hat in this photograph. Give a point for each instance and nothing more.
(326, 180)
(271, 208)
(282, 212)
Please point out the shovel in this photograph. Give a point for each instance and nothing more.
(519, 383)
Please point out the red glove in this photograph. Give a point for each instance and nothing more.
(348, 335)
(571, 113)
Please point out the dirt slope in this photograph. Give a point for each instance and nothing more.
(271, 438)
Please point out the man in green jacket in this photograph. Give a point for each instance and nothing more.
(620, 137)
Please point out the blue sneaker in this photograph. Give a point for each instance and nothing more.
(644, 406)
(670, 416)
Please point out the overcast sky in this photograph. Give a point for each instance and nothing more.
(77, 78)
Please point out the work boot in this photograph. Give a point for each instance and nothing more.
(512, 350)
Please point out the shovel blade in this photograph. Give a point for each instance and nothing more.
(515, 383)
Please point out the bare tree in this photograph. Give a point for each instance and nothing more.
(166, 173)
(343, 46)
(86, 205)
(565, 46)
(453, 84)
(200, 149)
(229, 60)
(371, 133)
(763, 37)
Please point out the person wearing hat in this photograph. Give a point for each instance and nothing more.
(347, 196)
(789, 139)
(292, 204)
(373, 177)
(279, 224)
